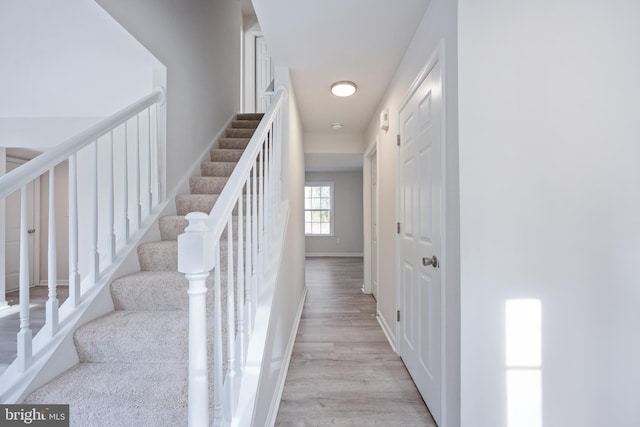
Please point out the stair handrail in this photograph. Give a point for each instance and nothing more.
(32, 351)
(31, 170)
(226, 201)
(259, 171)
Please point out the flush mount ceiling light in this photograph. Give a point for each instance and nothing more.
(343, 88)
(336, 126)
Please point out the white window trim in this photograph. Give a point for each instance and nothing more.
(333, 209)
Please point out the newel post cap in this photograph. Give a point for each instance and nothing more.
(196, 245)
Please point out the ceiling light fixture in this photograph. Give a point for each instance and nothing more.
(336, 126)
(343, 88)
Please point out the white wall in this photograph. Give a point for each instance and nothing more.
(41, 133)
(291, 283)
(439, 23)
(65, 62)
(333, 142)
(550, 204)
(199, 43)
(347, 221)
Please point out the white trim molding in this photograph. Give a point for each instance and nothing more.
(282, 377)
(388, 332)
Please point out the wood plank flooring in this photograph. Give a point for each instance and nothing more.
(10, 319)
(343, 371)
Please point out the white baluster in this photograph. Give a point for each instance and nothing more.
(217, 344)
(254, 245)
(241, 285)
(265, 212)
(270, 192)
(249, 254)
(51, 309)
(94, 270)
(24, 336)
(136, 176)
(125, 189)
(279, 158)
(111, 210)
(148, 165)
(156, 156)
(74, 274)
(231, 324)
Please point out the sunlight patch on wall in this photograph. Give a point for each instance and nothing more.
(523, 322)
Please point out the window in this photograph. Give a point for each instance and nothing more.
(318, 209)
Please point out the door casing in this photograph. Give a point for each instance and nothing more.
(437, 57)
(369, 154)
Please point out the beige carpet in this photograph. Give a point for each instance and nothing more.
(133, 361)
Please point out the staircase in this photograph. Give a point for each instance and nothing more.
(133, 361)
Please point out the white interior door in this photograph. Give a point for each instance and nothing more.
(12, 239)
(374, 225)
(420, 181)
(264, 74)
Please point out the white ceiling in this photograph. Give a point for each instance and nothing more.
(324, 41)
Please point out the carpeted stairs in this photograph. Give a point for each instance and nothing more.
(133, 361)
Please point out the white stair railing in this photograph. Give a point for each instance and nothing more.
(99, 224)
(237, 255)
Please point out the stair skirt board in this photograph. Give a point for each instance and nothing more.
(134, 360)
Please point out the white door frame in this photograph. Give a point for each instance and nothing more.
(438, 56)
(366, 195)
(3, 284)
(249, 101)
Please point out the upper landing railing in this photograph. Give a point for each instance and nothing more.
(115, 175)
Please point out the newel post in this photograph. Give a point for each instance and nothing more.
(196, 259)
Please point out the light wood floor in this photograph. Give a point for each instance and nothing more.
(343, 371)
(10, 319)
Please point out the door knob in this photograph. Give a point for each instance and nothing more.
(31, 231)
(433, 261)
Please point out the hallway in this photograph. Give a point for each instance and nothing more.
(343, 371)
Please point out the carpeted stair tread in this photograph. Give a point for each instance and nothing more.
(159, 290)
(225, 155)
(238, 133)
(186, 203)
(151, 290)
(172, 226)
(245, 124)
(217, 168)
(160, 255)
(207, 184)
(135, 336)
(233, 143)
(120, 394)
(250, 116)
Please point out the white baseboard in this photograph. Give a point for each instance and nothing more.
(277, 396)
(391, 337)
(334, 254)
